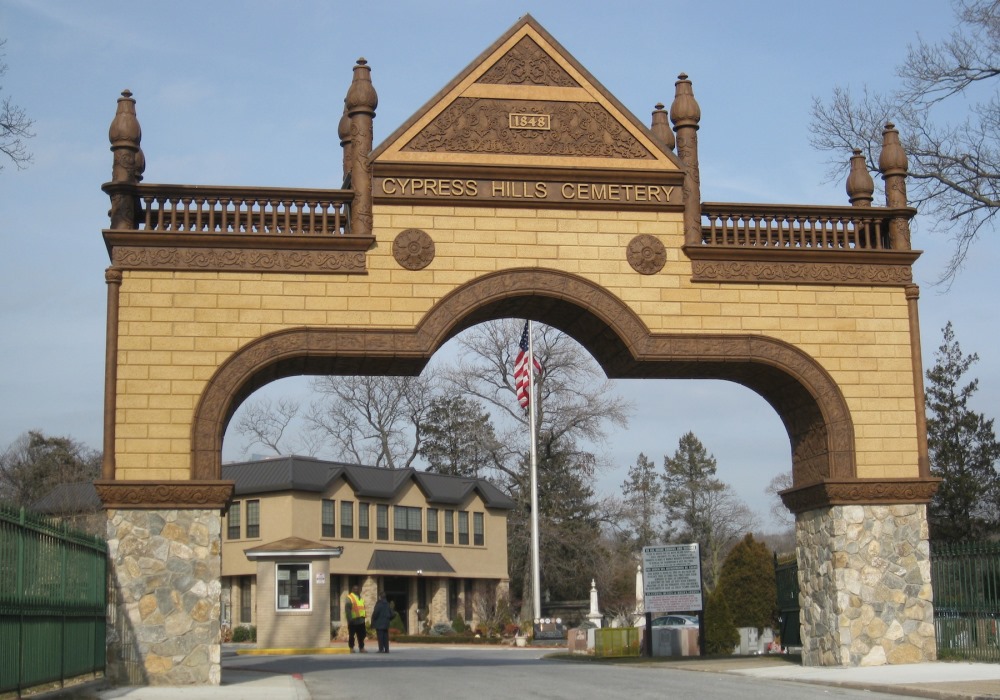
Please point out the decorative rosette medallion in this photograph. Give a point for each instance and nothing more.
(646, 254)
(413, 249)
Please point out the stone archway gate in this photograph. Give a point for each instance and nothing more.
(523, 188)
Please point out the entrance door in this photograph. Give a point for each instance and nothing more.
(397, 593)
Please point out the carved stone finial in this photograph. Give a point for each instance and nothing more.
(361, 97)
(129, 163)
(893, 166)
(661, 126)
(125, 134)
(860, 186)
(685, 110)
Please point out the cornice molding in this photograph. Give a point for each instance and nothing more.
(777, 266)
(854, 492)
(159, 495)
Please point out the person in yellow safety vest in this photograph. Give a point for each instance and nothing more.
(355, 609)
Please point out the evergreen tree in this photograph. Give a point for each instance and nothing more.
(962, 448)
(721, 635)
(458, 437)
(642, 493)
(748, 584)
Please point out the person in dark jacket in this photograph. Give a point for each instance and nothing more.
(381, 617)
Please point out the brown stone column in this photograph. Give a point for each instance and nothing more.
(361, 102)
(685, 115)
(113, 278)
(919, 398)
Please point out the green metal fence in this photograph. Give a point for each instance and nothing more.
(53, 587)
(966, 580)
(616, 641)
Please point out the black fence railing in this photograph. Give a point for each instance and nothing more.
(966, 580)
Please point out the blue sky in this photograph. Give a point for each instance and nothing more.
(250, 93)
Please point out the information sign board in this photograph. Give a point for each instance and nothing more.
(671, 578)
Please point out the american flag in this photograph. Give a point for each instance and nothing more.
(521, 379)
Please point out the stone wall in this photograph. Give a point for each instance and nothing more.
(164, 613)
(865, 586)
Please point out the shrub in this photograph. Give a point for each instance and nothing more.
(245, 633)
(748, 584)
(396, 623)
(510, 629)
(458, 624)
(441, 629)
(721, 635)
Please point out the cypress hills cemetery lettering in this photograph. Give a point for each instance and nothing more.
(548, 191)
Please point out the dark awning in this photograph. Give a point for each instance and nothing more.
(411, 562)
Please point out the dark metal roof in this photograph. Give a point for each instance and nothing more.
(296, 473)
(410, 562)
(79, 497)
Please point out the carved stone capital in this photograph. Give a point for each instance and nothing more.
(204, 495)
(850, 492)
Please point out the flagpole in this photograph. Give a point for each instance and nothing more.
(536, 578)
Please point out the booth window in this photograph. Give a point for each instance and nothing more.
(293, 586)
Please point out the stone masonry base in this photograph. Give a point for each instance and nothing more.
(865, 586)
(163, 622)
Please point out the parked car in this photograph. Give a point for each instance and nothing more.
(675, 621)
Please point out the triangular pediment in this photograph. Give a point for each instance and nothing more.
(526, 103)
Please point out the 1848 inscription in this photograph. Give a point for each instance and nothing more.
(524, 191)
(542, 122)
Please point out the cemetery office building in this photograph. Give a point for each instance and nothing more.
(300, 532)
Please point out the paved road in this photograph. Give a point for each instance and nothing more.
(442, 673)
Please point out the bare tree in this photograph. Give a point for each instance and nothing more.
(954, 166)
(272, 426)
(373, 420)
(35, 463)
(15, 126)
(775, 486)
(729, 519)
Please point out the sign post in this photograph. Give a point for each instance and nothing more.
(671, 582)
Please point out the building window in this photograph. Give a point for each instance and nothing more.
(329, 529)
(347, 519)
(233, 518)
(363, 531)
(463, 527)
(246, 601)
(449, 527)
(253, 519)
(432, 526)
(292, 588)
(478, 538)
(406, 524)
(382, 521)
